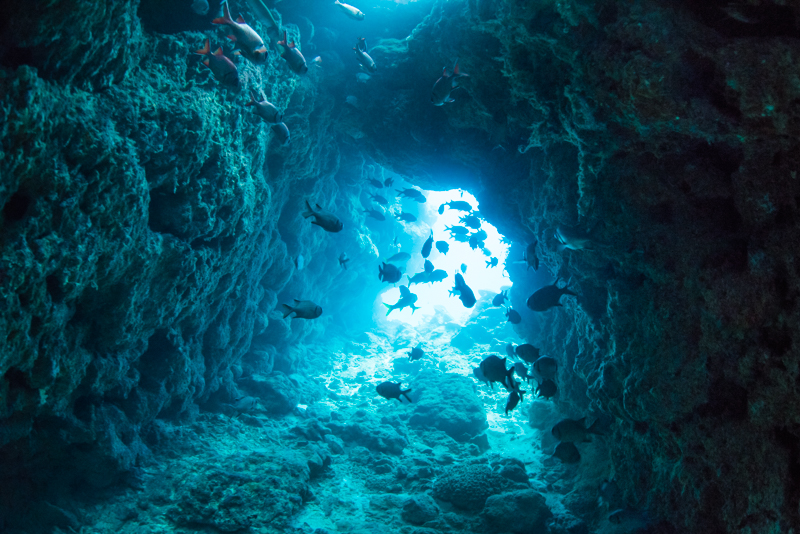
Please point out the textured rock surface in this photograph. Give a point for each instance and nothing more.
(516, 511)
(447, 403)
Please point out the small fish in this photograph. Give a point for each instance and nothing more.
(375, 214)
(281, 132)
(410, 193)
(293, 57)
(513, 399)
(200, 7)
(362, 57)
(389, 273)
(530, 256)
(419, 278)
(388, 182)
(521, 370)
(299, 262)
(470, 221)
(500, 298)
(494, 369)
(375, 183)
(465, 293)
(548, 297)
(513, 316)
(362, 77)
(510, 350)
(464, 268)
(547, 389)
(547, 367)
(573, 430)
(567, 452)
(317, 62)
(477, 373)
(426, 248)
(390, 390)
(350, 11)
(474, 242)
(437, 276)
(407, 217)
(527, 353)
(443, 247)
(302, 309)
(406, 300)
(250, 44)
(460, 205)
(572, 239)
(486, 252)
(460, 238)
(416, 353)
(457, 230)
(244, 404)
(380, 200)
(223, 68)
(399, 257)
(428, 267)
(445, 85)
(492, 263)
(324, 219)
(268, 112)
(343, 259)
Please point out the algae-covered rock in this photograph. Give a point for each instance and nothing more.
(448, 403)
(419, 509)
(467, 486)
(517, 512)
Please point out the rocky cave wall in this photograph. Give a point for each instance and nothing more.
(149, 225)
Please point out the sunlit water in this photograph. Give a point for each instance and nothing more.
(435, 298)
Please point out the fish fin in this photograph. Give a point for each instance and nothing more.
(319, 208)
(253, 100)
(287, 310)
(391, 308)
(261, 49)
(206, 48)
(455, 69)
(309, 211)
(226, 16)
(405, 394)
(292, 45)
(218, 52)
(231, 37)
(206, 62)
(240, 20)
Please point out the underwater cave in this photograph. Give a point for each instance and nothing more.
(413, 266)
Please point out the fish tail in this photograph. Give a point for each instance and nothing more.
(287, 310)
(253, 99)
(226, 15)
(391, 308)
(405, 394)
(206, 48)
(309, 210)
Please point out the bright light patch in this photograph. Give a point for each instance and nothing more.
(480, 276)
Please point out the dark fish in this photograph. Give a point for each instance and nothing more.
(410, 193)
(292, 55)
(390, 390)
(324, 219)
(460, 238)
(419, 278)
(268, 112)
(499, 299)
(375, 183)
(460, 205)
(513, 316)
(407, 217)
(406, 300)
(457, 230)
(527, 352)
(547, 367)
(426, 248)
(437, 276)
(465, 294)
(471, 221)
(389, 273)
(399, 257)
(375, 214)
(492, 263)
(443, 247)
(567, 452)
(476, 371)
(223, 68)
(573, 430)
(302, 309)
(513, 399)
(521, 370)
(547, 389)
(343, 259)
(474, 242)
(494, 369)
(530, 256)
(388, 182)
(416, 353)
(380, 200)
(510, 351)
(445, 85)
(428, 267)
(548, 297)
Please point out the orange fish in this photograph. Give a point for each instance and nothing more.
(250, 44)
(292, 55)
(223, 68)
